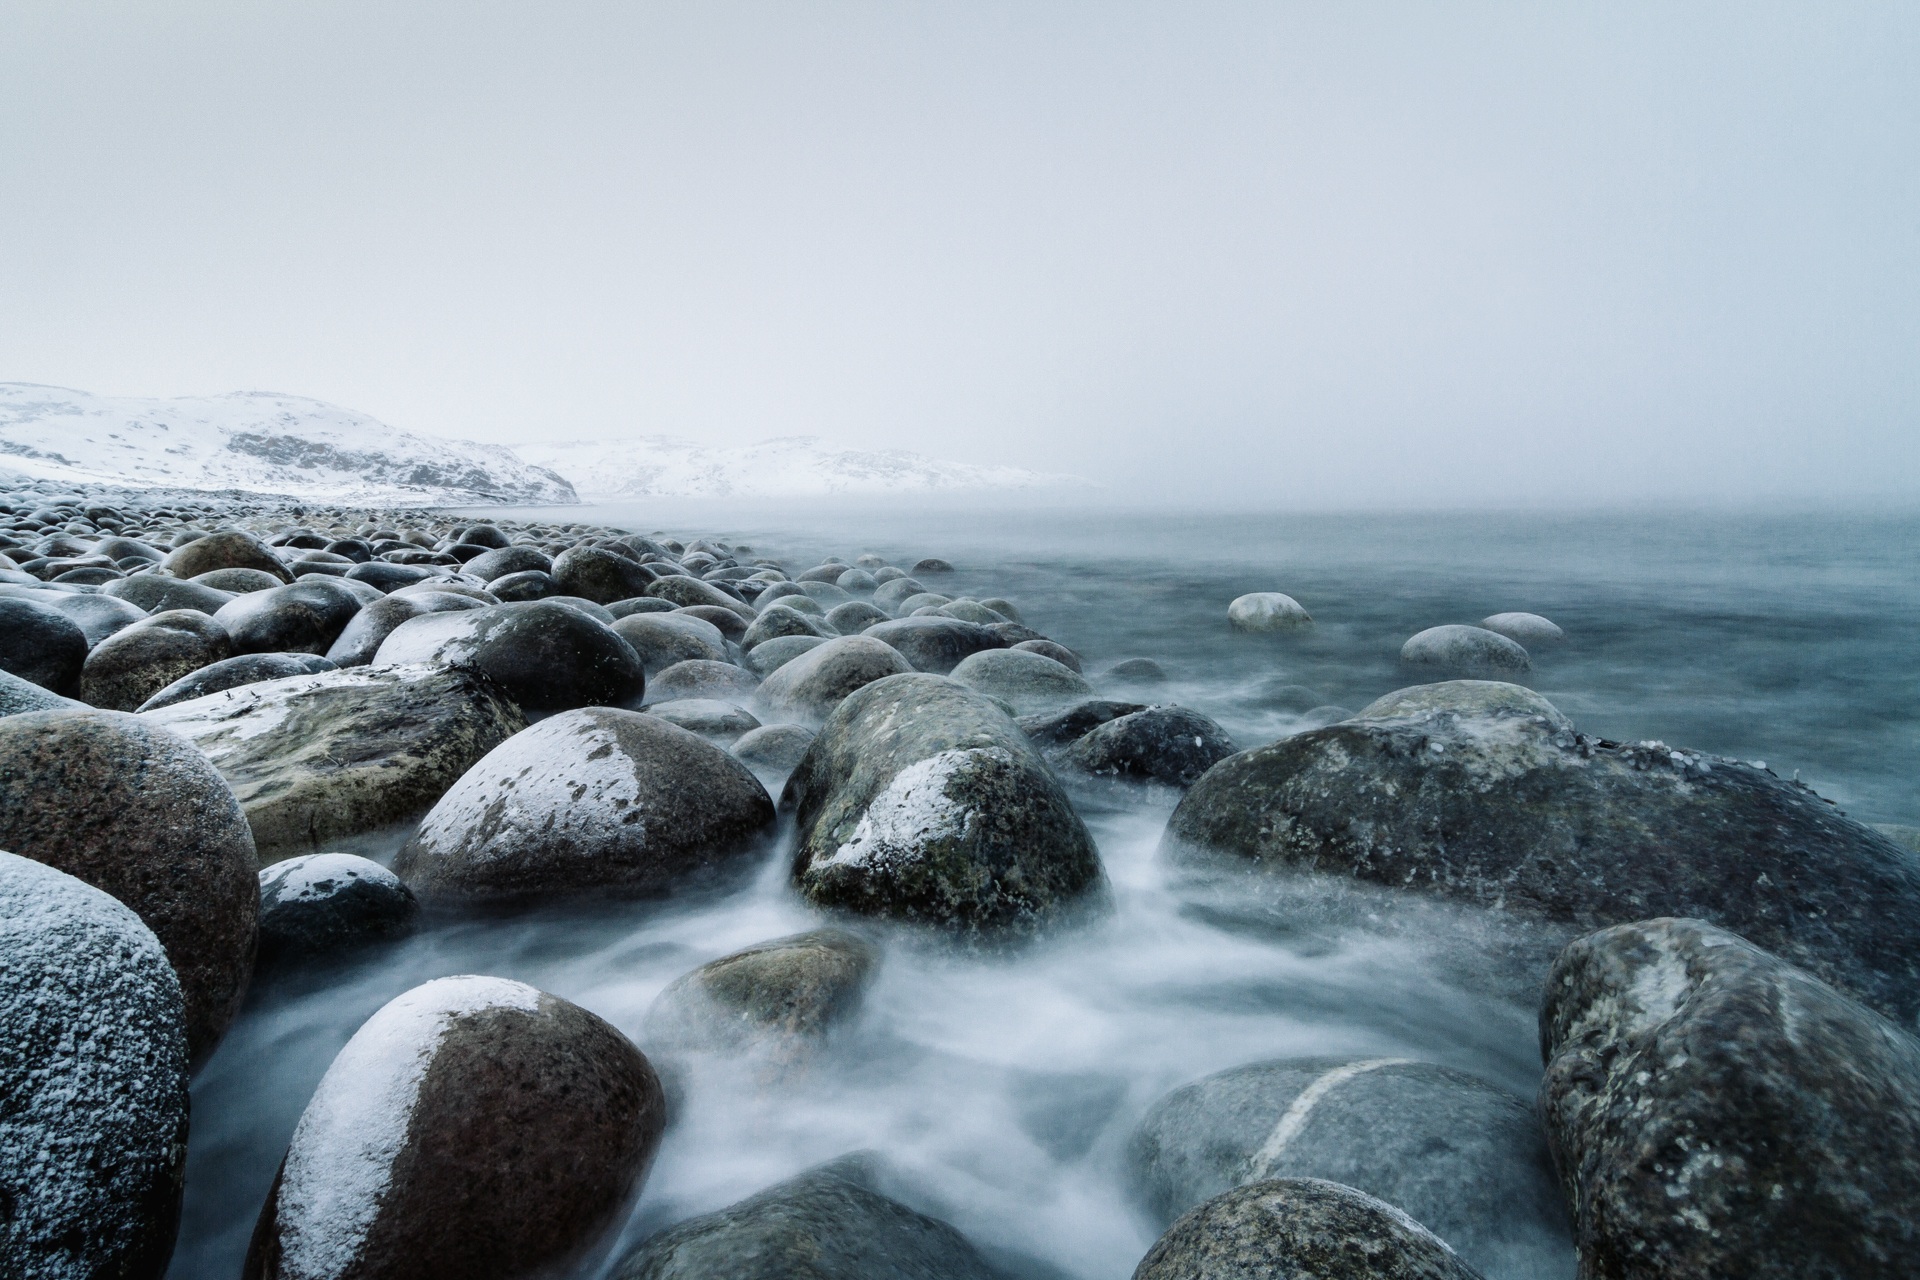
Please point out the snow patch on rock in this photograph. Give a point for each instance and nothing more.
(320, 875)
(913, 808)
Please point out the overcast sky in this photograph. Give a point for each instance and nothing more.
(1328, 254)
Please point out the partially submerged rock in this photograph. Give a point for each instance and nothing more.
(1172, 746)
(320, 903)
(811, 685)
(1031, 682)
(1461, 650)
(786, 995)
(1524, 628)
(935, 645)
(1267, 611)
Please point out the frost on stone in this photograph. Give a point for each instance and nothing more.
(341, 1158)
(914, 809)
(318, 876)
(93, 1078)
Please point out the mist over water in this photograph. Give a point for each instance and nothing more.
(1002, 1088)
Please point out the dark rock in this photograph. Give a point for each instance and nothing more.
(529, 585)
(1137, 671)
(593, 799)
(1058, 728)
(1715, 1111)
(775, 747)
(854, 617)
(388, 576)
(1030, 682)
(304, 617)
(598, 612)
(136, 811)
(357, 550)
(511, 560)
(641, 604)
(935, 645)
(778, 621)
(1473, 651)
(17, 696)
(1169, 745)
(133, 665)
(702, 678)
(708, 717)
(231, 673)
(368, 629)
(726, 621)
(932, 564)
(663, 640)
(685, 591)
(325, 902)
(157, 594)
(41, 645)
(93, 1071)
(1048, 649)
(788, 994)
(546, 656)
(769, 656)
(920, 800)
(483, 535)
(600, 576)
(228, 549)
(473, 1127)
(1481, 792)
(98, 616)
(813, 684)
(239, 581)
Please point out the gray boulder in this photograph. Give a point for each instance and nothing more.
(1466, 651)
(543, 655)
(319, 903)
(1048, 649)
(17, 695)
(684, 591)
(890, 594)
(1524, 628)
(600, 576)
(491, 566)
(935, 645)
(227, 549)
(854, 617)
(663, 639)
(368, 629)
(1059, 728)
(702, 678)
(778, 621)
(813, 684)
(304, 617)
(231, 673)
(777, 748)
(132, 665)
(157, 593)
(239, 582)
(98, 616)
(1169, 745)
(1267, 611)
(787, 995)
(769, 656)
(41, 645)
(1031, 682)
(708, 717)
(518, 588)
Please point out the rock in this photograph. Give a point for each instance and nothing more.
(319, 903)
(93, 1070)
(663, 640)
(1048, 649)
(1169, 745)
(708, 717)
(1466, 650)
(368, 629)
(685, 591)
(826, 1224)
(1267, 611)
(517, 588)
(972, 611)
(1715, 1111)
(483, 535)
(855, 581)
(935, 645)
(1058, 728)
(592, 799)
(854, 617)
(1524, 628)
(545, 656)
(304, 617)
(473, 1127)
(932, 564)
(769, 656)
(507, 561)
(1462, 1157)
(98, 616)
(598, 612)
(928, 602)
(730, 624)
(775, 747)
(1905, 837)
(388, 576)
(1031, 682)
(227, 549)
(779, 621)
(813, 684)
(231, 673)
(702, 678)
(1299, 1229)
(920, 800)
(17, 696)
(157, 594)
(239, 582)
(1482, 793)
(1136, 671)
(134, 664)
(41, 645)
(136, 811)
(641, 604)
(600, 576)
(788, 994)
(890, 594)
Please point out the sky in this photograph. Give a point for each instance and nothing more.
(1270, 254)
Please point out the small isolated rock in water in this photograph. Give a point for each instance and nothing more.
(1300, 1229)
(320, 758)
(708, 717)
(134, 664)
(702, 678)
(1136, 671)
(932, 564)
(1031, 682)
(813, 684)
(1466, 651)
(1169, 745)
(592, 799)
(546, 656)
(777, 748)
(826, 1224)
(1715, 1111)
(228, 549)
(41, 645)
(787, 994)
(935, 645)
(136, 811)
(920, 800)
(306, 617)
(93, 1070)
(1267, 611)
(473, 1127)
(1481, 792)
(324, 902)
(1524, 628)
(231, 673)
(1465, 1159)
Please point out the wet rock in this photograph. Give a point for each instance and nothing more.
(1905, 837)
(318, 903)
(1267, 611)
(592, 799)
(388, 576)
(1169, 745)
(231, 673)
(856, 581)
(728, 623)
(516, 588)
(507, 561)
(545, 656)
(769, 656)
(972, 611)
(304, 617)
(1482, 793)
(929, 601)
(854, 617)
(826, 1224)
(702, 678)
(228, 549)
(600, 576)
(892, 593)
(685, 591)
(775, 747)
(1048, 649)
(663, 640)
(473, 1127)
(483, 535)
(1466, 651)
(17, 696)
(1058, 728)
(93, 1056)
(641, 604)
(1031, 682)
(157, 594)
(932, 564)
(1464, 1158)
(368, 629)
(1524, 628)
(1300, 1229)
(708, 717)
(778, 621)
(136, 811)
(1136, 671)
(41, 645)
(920, 800)
(813, 684)
(935, 645)
(239, 581)
(98, 616)
(598, 612)
(788, 994)
(134, 664)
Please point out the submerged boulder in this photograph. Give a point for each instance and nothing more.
(814, 683)
(1524, 628)
(1267, 611)
(1483, 793)
(545, 656)
(1466, 651)
(1169, 745)
(134, 664)
(325, 902)
(1032, 682)
(787, 995)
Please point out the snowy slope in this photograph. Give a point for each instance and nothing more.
(258, 441)
(791, 467)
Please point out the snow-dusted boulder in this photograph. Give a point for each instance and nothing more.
(322, 902)
(93, 1083)
(1267, 611)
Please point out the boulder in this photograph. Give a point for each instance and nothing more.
(239, 582)
(600, 576)
(730, 624)
(93, 1071)
(1031, 682)
(1715, 1111)
(702, 678)
(545, 656)
(685, 591)
(972, 611)
(641, 604)
(1059, 728)
(921, 801)
(231, 673)
(1048, 649)
(98, 616)
(769, 656)
(473, 1127)
(500, 563)
(515, 588)
(663, 639)
(935, 645)
(136, 811)
(318, 903)
(1465, 651)
(1455, 1153)
(1267, 611)
(368, 629)
(778, 621)
(1481, 792)
(932, 564)
(855, 581)
(1169, 745)
(1524, 628)
(157, 594)
(303, 617)
(133, 665)
(1299, 1229)
(854, 617)
(708, 717)
(227, 549)
(41, 645)
(385, 575)
(890, 594)
(1136, 671)
(813, 684)
(589, 800)
(17, 695)
(787, 995)
(776, 748)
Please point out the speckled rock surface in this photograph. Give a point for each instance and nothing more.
(1169, 745)
(40, 644)
(1715, 1111)
(319, 903)
(93, 1083)
(813, 684)
(474, 1128)
(599, 575)
(227, 549)
(303, 617)
(1482, 793)
(543, 655)
(132, 665)
(935, 645)
(787, 994)
(314, 759)
(1268, 611)
(135, 810)
(664, 640)
(17, 695)
(1466, 650)
(774, 747)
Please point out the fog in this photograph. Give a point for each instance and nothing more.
(1288, 255)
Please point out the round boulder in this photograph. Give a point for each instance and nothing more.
(935, 645)
(1467, 650)
(777, 621)
(131, 666)
(600, 576)
(303, 617)
(41, 645)
(1267, 611)
(232, 673)
(1031, 682)
(813, 684)
(530, 584)
(708, 717)
(769, 656)
(702, 678)
(1524, 628)
(854, 617)
(98, 616)
(776, 748)
(156, 594)
(17, 695)
(1168, 745)
(1058, 652)
(325, 902)
(494, 565)
(228, 549)
(663, 639)
(546, 656)
(368, 629)
(239, 581)
(787, 994)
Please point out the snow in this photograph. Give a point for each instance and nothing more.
(341, 1157)
(257, 441)
(316, 876)
(913, 808)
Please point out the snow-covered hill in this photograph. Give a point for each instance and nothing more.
(791, 467)
(257, 441)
